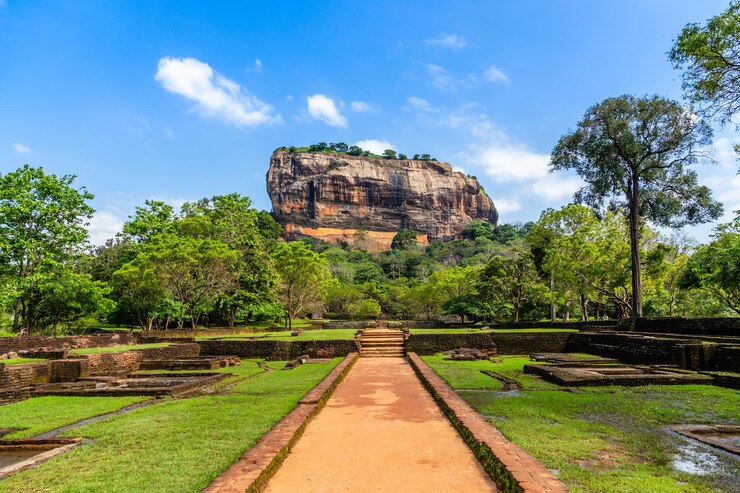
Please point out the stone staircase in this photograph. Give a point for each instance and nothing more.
(379, 343)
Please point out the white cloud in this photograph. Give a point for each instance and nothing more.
(419, 104)
(724, 152)
(444, 81)
(504, 206)
(493, 74)
(361, 107)
(103, 226)
(725, 181)
(505, 162)
(556, 188)
(322, 108)
(257, 65)
(374, 145)
(21, 149)
(215, 95)
(448, 41)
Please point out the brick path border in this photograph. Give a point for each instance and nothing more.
(508, 465)
(251, 472)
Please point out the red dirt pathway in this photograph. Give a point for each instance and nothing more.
(380, 431)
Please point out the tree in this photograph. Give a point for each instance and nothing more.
(42, 219)
(368, 308)
(402, 157)
(196, 272)
(477, 229)
(710, 59)
(633, 154)
(584, 257)
(70, 297)
(341, 299)
(510, 281)
(301, 273)
(340, 147)
(404, 239)
(466, 306)
(232, 220)
(354, 151)
(140, 290)
(716, 267)
(389, 154)
(155, 218)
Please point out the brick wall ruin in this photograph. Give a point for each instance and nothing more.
(278, 350)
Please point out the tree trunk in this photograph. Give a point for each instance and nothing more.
(553, 315)
(634, 209)
(584, 307)
(16, 316)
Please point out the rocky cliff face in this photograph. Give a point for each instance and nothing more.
(338, 197)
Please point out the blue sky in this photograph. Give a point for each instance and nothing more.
(182, 100)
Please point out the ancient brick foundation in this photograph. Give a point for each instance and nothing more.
(278, 350)
(686, 326)
(68, 370)
(17, 376)
(171, 352)
(531, 342)
(72, 342)
(727, 358)
(629, 348)
(425, 344)
(124, 361)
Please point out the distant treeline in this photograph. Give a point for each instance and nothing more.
(342, 148)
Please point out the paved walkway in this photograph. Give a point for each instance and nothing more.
(380, 431)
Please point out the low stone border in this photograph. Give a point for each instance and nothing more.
(700, 432)
(64, 445)
(508, 465)
(251, 472)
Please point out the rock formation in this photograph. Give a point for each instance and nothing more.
(338, 197)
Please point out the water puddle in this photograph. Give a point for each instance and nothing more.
(10, 457)
(695, 459)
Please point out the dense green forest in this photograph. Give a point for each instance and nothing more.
(221, 262)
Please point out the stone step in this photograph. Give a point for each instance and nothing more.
(383, 336)
(397, 352)
(382, 342)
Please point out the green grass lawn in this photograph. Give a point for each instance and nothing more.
(466, 330)
(607, 439)
(467, 374)
(20, 361)
(463, 374)
(306, 335)
(177, 445)
(474, 330)
(42, 414)
(118, 349)
(541, 329)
